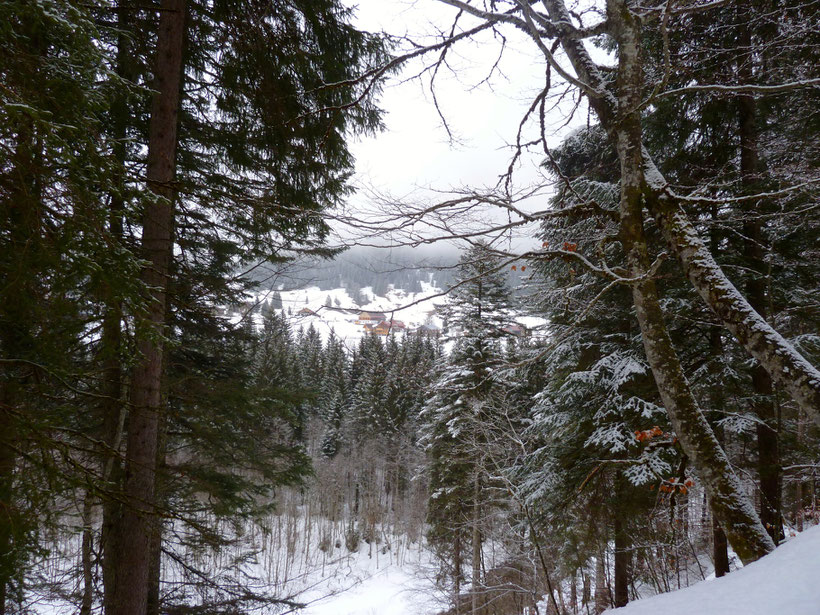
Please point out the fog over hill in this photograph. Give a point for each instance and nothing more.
(357, 268)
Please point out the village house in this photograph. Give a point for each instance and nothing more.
(371, 317)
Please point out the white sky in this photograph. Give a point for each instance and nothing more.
(414, 154)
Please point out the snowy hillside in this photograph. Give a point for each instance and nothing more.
(308, 306)
(335, 312)
(787, 582)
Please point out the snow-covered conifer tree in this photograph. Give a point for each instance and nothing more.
(459, 415)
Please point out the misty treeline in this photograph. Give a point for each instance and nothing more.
(153, 154)
(358, 268)
(377, 268)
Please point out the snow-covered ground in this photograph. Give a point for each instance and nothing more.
(391, 577)
(786, 582)
(378, 589)
(307, 306)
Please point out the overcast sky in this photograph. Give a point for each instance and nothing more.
(415, 154)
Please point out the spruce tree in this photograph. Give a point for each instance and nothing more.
(56, 167)
(466, 397)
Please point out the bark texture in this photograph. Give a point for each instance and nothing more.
(768, 453)
(734, 511)
(787, 367)
(19, 292)
(113, 408)
(476, 540)
(622, 564)
(601, 585)
(720, 549)
(137, 523)
(620, 117)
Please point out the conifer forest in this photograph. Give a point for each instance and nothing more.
(573, 372)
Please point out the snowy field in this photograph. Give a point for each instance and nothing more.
(378, 589)
(307, 306)
(392, 576)
(399, 581)
(787, 582)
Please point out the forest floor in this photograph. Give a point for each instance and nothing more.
(380, 582)
(391, 590)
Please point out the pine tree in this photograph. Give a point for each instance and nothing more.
(55, 166)
(334, 399)
(466, 397)
(259, 165)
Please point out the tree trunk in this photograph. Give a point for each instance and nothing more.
(457, 572)
(86, 559)
(734, 511)
(22, 262)
(785, 365)
(137, 521)
(112, 408)
(601, 585)
(720, 549)
(155, 567)
(476, 539)
(798, 490)
(8, 459)
(622, 564)
(767, 433)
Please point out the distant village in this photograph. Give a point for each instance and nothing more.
(353, 322)
(378, 323)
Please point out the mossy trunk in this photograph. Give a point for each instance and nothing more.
(618, 110)
(787, 367)
(734, 511)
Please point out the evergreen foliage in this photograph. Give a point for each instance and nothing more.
(466, 400)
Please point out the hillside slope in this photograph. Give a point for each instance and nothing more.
(787, 582)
